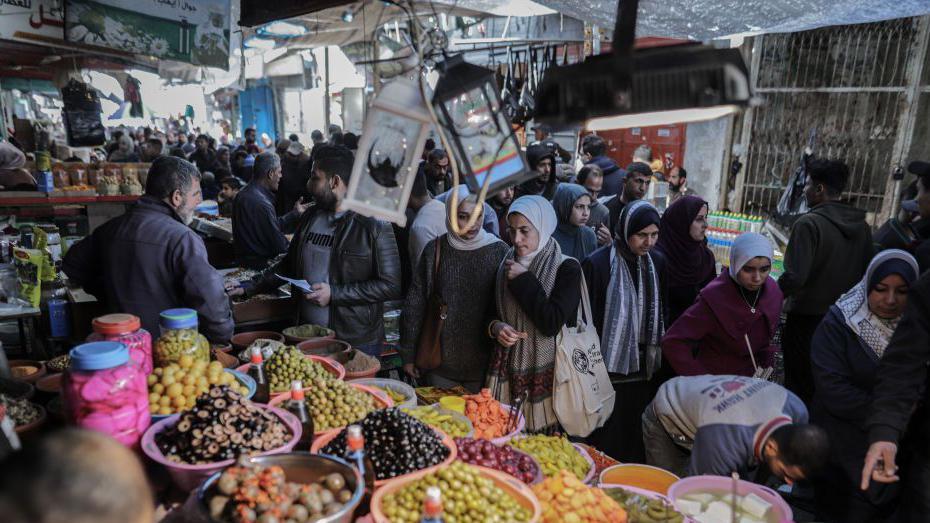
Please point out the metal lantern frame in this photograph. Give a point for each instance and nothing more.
(458, 79)
(402, 102)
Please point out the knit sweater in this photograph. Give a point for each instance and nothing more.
(466, 285)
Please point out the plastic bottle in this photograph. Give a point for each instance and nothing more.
(355, 454)
(257, 372)
(298, 407)
(432, 506)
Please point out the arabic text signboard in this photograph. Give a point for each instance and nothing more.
(32, 20)
(194, 31)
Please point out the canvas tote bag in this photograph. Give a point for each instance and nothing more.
(582, 396)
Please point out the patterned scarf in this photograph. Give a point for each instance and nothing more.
(632, 316)
(875, 332)
(528, 366)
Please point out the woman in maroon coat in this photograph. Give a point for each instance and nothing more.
(735, 313)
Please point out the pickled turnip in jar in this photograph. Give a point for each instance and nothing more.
(126, 329)
(106, 391)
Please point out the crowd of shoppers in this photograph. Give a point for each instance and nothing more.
(689, 347)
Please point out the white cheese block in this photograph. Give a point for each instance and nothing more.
(689, 507)
(718, 511)
(755, 506)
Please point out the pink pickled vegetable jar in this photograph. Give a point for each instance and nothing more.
(126, 329)
(105, 390)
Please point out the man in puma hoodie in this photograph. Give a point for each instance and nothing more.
(828, 252)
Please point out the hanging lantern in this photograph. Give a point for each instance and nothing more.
(388, 153)
(468, 107)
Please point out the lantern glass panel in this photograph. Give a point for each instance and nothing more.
(388, 157)
(483, 136)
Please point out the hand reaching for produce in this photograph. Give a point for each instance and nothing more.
(411, 370)
(233, 290)
(321, 294)
(880, 464)
(514, 269)
(506, 335)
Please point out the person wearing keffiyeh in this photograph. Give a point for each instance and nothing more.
(626, 285)
(846, 350)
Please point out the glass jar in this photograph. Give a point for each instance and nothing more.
(126, 329)
(179, 336)
(106, 391)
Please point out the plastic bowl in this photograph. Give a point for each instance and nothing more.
(395, 385)
(380, 397)
(331, 366)
(589, 476)
(242, 378)
(241, 341)
(30, 376)
(227, 360)
(17, 389)
(521, 424)
(291, 339)
(512, 486)
(300, 467)
(539, 475)
(187, 476)
(781, 511)
(648, 494)
(460, 417)
(363, 374)
(324, 439)
(49, 384)
(337, 350)
(29, 429)
(643, 477)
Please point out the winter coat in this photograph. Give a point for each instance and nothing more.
(845, 370)
(710, 337)
(147, 261)
(828, 252)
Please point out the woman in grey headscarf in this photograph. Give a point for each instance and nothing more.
(572, 204)
(126, 151)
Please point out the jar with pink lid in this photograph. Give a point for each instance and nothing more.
(126, 329)
(106, 391)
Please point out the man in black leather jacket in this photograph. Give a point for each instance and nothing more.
(350, 261)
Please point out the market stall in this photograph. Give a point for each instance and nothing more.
(370, 449)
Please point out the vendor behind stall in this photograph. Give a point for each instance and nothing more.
(258, 232)
(148, 260)
(722, 424)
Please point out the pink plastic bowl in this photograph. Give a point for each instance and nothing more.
(331, 365)
(186, 476)
(722, 484)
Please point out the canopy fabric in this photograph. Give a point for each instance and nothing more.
(710, 19)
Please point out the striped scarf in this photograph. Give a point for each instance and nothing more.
(632, 317)
(530, 364)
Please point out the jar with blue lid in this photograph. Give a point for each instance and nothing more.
(179, 336)
(106, 391)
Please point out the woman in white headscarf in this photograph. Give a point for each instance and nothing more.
(465, 281)
(846, 350)
(125, 152)
(538, 291)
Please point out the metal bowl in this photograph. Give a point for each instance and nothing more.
(302, 467)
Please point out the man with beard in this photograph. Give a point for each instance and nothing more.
(542, 160)
(250, 146)
(148, 260)
(350, 261)
(500, 202)
(635, 186)
(258, 232)
(678, 185)
(437, 171)
(295, 172)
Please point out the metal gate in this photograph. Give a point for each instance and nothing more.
(851, 91)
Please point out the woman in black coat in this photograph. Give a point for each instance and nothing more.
(845, 355)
